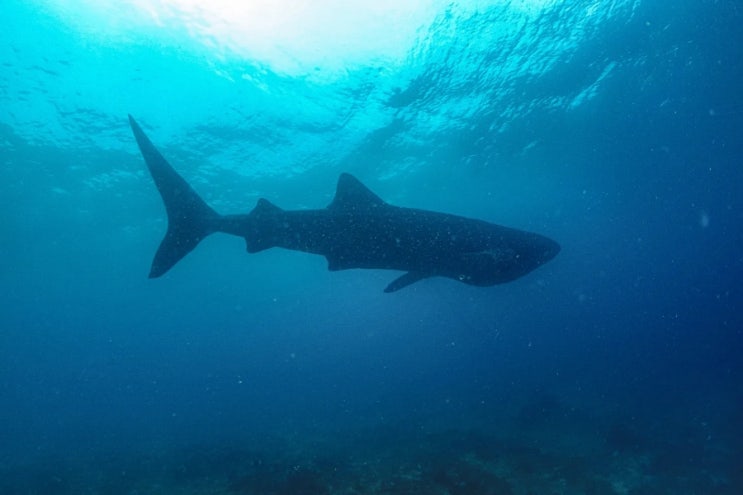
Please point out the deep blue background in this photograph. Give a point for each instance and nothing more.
(636, 322)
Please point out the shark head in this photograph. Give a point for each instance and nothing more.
(504, 262)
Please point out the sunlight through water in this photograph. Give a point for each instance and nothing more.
(290, 37)
(298, 85)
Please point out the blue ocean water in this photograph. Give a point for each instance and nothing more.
(614, 127)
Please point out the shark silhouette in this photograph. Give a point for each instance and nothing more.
(356, 230)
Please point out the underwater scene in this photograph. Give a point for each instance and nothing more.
(371, 247)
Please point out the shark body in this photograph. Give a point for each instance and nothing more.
(356, 230)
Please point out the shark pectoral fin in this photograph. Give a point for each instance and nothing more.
(404, 281)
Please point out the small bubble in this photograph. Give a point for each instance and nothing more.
(703, 219)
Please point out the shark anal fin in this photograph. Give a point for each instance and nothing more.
(404, 280)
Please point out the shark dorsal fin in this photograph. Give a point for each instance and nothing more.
(351, 194)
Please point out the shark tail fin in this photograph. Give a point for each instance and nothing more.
(190, 219)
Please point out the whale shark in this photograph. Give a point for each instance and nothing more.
(356, 230)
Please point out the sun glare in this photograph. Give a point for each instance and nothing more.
(289, 36)
(293, 37)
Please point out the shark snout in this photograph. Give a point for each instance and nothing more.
(549, 249)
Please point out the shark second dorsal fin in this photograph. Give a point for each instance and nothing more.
(264, 215)
(265, 207)
(351, 194)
